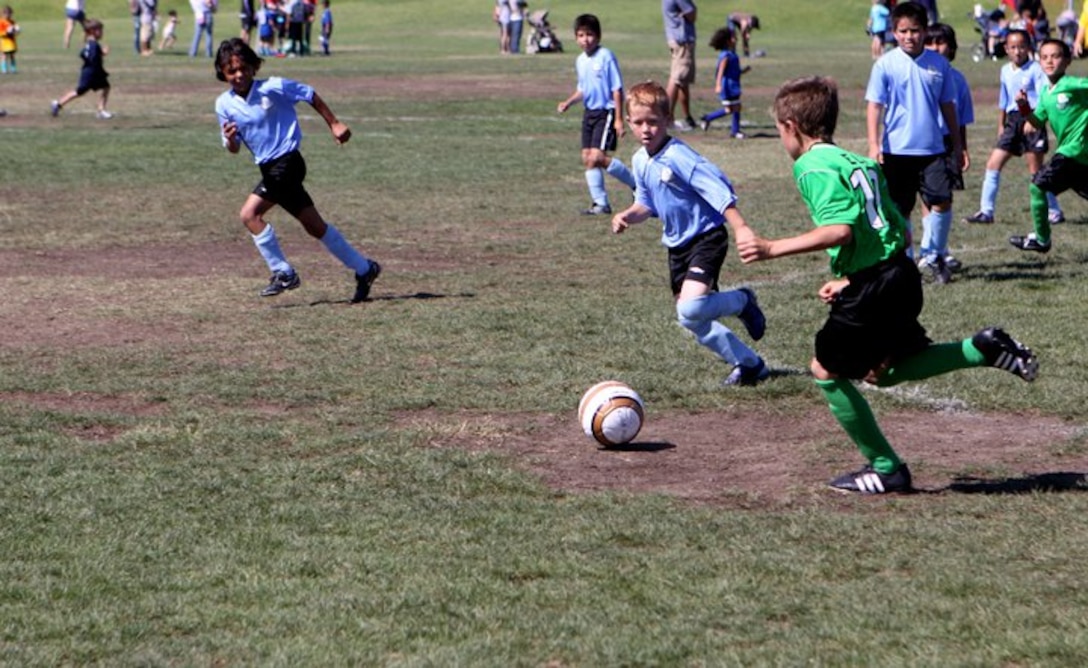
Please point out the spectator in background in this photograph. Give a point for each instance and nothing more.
(517, 21)
(679, 17)
(247, 14)
(501, 15)
(203, 15)
(73, 13)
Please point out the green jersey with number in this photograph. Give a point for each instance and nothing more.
(843, 188)
(1065, 106)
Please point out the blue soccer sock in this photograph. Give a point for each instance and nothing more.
(1052, 204)
(942, 226)
(714, 115)
(735, 126)
(336, 244)
(700, 316)
(269, 248)
(991, 183)
(597, 191)
(617, 170)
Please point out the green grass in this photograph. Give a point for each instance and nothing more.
(216, 481)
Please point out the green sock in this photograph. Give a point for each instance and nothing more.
(1039, 214)
(933, 361)
(856, 417)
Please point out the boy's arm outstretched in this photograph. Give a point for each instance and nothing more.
(569, 102)
(340, 132)
(632, 215)
(817, 239)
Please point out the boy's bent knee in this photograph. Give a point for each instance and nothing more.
(691, 314)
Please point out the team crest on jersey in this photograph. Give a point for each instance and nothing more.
(666, 175)
(266, 103)
(1063, 101)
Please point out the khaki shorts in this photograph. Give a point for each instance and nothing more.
(682, 68)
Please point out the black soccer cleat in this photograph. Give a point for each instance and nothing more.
(752, 316)
(980, 217)
(281, 281)
(364, 281)
(747, 376)
(1004, 352)
(868, 481)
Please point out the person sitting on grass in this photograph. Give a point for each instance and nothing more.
(872, 331)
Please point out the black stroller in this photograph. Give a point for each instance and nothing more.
(542, 39)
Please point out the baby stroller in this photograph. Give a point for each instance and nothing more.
(542, 39)
(992, 28)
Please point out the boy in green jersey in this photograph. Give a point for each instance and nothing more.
(1065, 106)
(872, 331)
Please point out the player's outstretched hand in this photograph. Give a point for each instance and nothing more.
(829, 291)
(753, 248)
(619, 223)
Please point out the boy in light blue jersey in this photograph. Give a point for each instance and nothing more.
(260, 114)
(877, 27)
(694, 201)
(909, 89)
(941, 37)
(1021, 73)
(600, 89)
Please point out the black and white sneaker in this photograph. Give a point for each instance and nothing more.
(364, 281)
(752, 316)
(747, 375)
(281, 281)
(934, 269)
(1029, 242)
(597, 210)
(868, 481)
(980, 217)
(1004, 352)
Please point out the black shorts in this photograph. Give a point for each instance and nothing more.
(281, 182)
(1062, 173)
(699, 260)
(1014, 140)
(908, 175)
(874, 320)
(598, 129)
(92, 80)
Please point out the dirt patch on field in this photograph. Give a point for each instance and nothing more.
(745, 459)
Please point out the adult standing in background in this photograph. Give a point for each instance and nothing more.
(247, 14)
(203, 14)
(501, 14)
(73, 13)
(932, 14)
(517, 16)
(679, 16)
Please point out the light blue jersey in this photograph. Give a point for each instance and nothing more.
(683, 189)
(598, 77)
(965, 106)
(1030, 78)
(878, 19)
(911, 91)
(266, 119)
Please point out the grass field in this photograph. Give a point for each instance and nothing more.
(190, 475)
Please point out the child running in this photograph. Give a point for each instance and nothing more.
(1021, 73)
(872, 331)
(694, 200)
(727, 80)
(1063, 104)
(93, 75)
(600, 88)
(260, 113)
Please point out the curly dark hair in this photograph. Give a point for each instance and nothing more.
(235, 47)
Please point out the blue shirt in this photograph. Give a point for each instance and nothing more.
(965, 106)
(687, 192)
(266, 119)
(1030, 78)
(878, 19)
(598, 77)
(730, 77)
(677, 29)
(912, 91)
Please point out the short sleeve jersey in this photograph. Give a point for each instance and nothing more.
(731, 75)
(687, 192)
(878, 19)
(843, 188)
(965, 106)
(92, 58)
(598, 77)
(678, 29)
(911, 90)
(1029, 78)
(1065, 106)
(266, 118)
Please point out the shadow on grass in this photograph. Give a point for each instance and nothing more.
(1065, 481)
(384, 298)
(645, 446)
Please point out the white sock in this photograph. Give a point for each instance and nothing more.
(269, 248)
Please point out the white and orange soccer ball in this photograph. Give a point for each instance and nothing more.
(611, 412)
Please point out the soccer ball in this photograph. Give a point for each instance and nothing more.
(611, 412)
